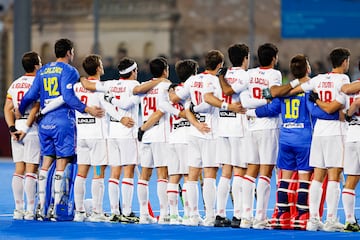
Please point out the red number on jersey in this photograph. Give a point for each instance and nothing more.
(227, 99)
(177, 106)
(84, 99)
(20, 95)
(198, 98)
(325, 96)
(257, 92)
(150, 105)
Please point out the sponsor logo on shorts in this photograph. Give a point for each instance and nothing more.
(227, 114)
(86, 120)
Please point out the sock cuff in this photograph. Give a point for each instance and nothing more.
(114, 181)
(31, 175)
(143, 182)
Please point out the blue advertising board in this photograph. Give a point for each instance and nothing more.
(320, 18)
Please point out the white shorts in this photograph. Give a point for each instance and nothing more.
(92, 152)
(352, 158)
(28, 151)
(154, 154)
(231, 151)
(178, 163)
(263, 147)
(122, 152)
(327, 152)
(202, 152)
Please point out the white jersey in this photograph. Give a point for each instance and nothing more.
(328, 86)
(233, 124)
(353, 132)
(195, 88)
(123, 90)
(149, 104)
(262, 78)
(89, 127)
(15, 93)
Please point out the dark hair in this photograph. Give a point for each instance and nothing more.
(212, 59)
(338, 55)
(157, 66)
(91, 63)
(266, 53)
(124, 63)
(298, 66)
(185, 68)
(62, 46)
(29, 61)
(237, 53)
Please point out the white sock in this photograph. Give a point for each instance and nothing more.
(315, 193)
(173, 193)
(30, 191)
(161, 192)
(248, 197)
(332, 199)
(57, 186)
(79, 193)
(18, 191)
(236, 190)
(263, 194)
(97, 192)
(209, 190)
(222, 196)
(185, 200)
(193, 197)
(348, 199)
(43, 175)
(143, 196)
(114, 195)
(127, 192)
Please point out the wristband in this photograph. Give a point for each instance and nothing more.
(224, 106)
(12, 129)
(25, 129)
(294, 83)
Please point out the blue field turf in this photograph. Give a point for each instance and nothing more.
(10, 229)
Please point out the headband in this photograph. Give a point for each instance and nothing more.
(129, 69)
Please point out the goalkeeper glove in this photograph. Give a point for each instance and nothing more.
(313, 96)
(222, 71)
(347, 117)
(172, 86)
(140, 134)
(108, 96)
(267, 94)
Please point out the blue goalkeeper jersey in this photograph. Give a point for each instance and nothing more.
(298, 118)
(52, 80)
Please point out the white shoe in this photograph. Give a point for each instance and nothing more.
(175, 220)
(98, 217)
(164, 220)
(18, 215)
(29, 215)
(333, 225)
(209, 221)
(185, 221)
(79, 216)
(260, 224)
(147, 219)
(196, 221)
(314, 224)
(245, 223)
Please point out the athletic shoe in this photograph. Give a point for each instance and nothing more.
(281, 221)
(175, 220)
(39, 213)
(299, 222)
(235, 222)
(261, 224)
(245, 223)
(314, 224)
(351, 227)
(79, 216)
(209, 221)
(29, 215)
(51, 213)
(18, 215)
(222, 221)
(333, 225)
(98, 217)
(115, 218)
(164, 220)
(129, 219)
(196, 220)
(147, 219)
(186, 221)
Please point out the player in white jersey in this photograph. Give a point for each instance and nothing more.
(24, 139)
(231, 145)
(178, 140)
(327, 147)
(204, 87)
